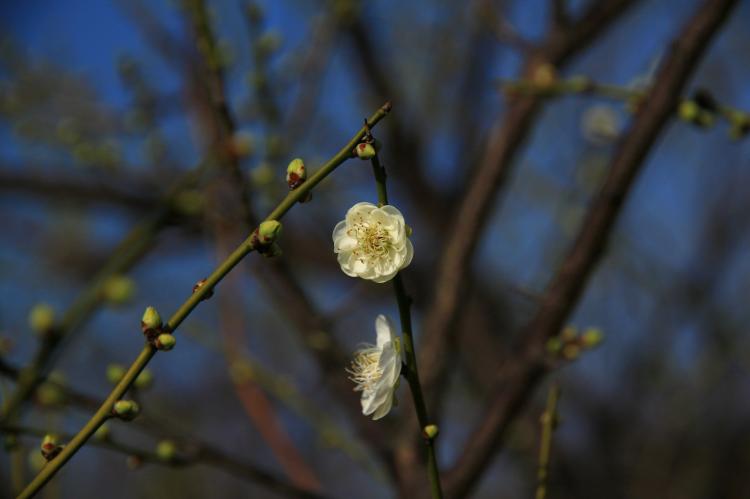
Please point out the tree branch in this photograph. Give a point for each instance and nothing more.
(522, 374)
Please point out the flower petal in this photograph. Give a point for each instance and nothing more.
(384, 408)
(359, 210)
(393, 212)
(409, 254)
(384, 330)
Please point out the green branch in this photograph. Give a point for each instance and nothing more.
(429, 430)
(202, 455)
(187, 307)
(548, 422)
(700, 109)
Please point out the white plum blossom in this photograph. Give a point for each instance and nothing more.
(376, 368)
(372, 242)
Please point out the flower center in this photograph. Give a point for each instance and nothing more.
(364, 370)
(373, 241)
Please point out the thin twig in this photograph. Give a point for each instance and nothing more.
(548, 422)
(412, 373)
(193, 456)
(187, 307)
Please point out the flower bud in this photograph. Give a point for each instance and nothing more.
(268, 43)
(365, 150)
(554, 345)
(544, 75)
(571, 351)
(569, 333)
(165, 341)
(166, 450)
(42, 319)
(144, 380)
(151, 319)
(268, 231)
(689, 111)
(241, 144)
(295, 173)
(189, 202)
(115, 372)
(592, 337)
(126, 410)
(50, 447)
(49, 394)
(102, 433)
(118, 289)
(262, 175)
(430, 431)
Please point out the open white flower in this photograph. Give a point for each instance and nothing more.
(376, 369)
(372, 242)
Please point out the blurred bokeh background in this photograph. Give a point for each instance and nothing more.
(107, 111)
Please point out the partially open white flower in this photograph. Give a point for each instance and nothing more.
(376, 369)
(371, 242)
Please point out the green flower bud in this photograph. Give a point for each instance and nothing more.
(126, 410)
(151, 319)
(740, 124)
(49, 440)
(268, 43)
(268, 231)
(592, 337)
(365, 150)
(165, 341)
(554, 345)
(50, 447)
(49, 393)
(42, 318)
(544, 75)
(571, 351)
(115, 372)
(189, 202)
(103, 432)
(119, 289)
(295, 173)
(262, 175)
(689, 111)
(242, 144)
(430, 431)
(166, 450)
(144, 380)
(569, 333)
